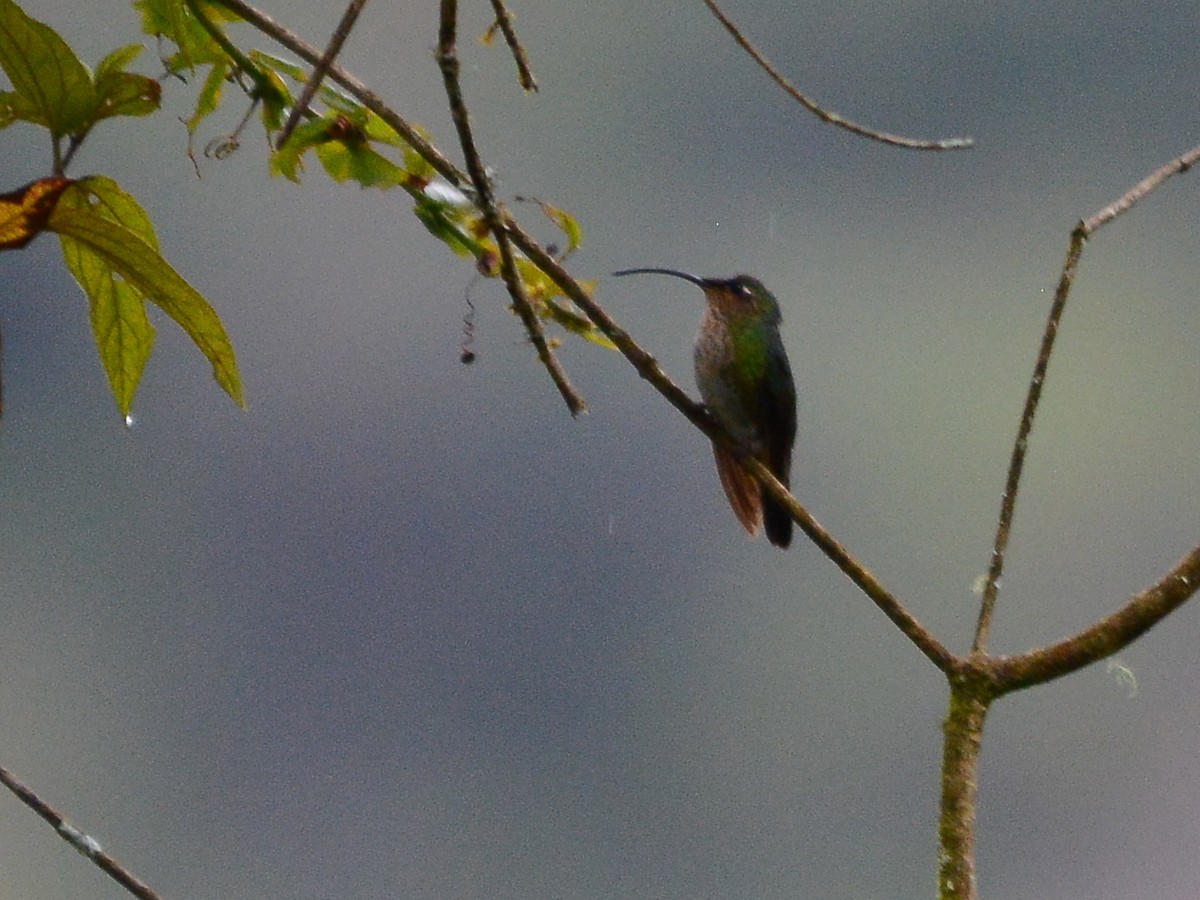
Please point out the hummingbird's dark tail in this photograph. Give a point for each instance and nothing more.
(752, 507)
(777, 522)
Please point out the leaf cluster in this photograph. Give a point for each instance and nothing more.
(351, 143)
(107, 238)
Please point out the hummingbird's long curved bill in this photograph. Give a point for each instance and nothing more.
(674, 272)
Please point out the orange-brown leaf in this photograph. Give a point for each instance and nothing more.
(24, 212)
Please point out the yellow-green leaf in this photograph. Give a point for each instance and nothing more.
(108, 200)
(124, 335)
(110, 226)
(170, 19)
(209, 97)
(119, 59)
(565, 221)
(121, 93)
(354, 161)
(54, 87)
(445, 222)
(127, 94)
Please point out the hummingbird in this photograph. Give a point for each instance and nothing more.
(745, 381)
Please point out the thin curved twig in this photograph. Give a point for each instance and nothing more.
(1079, 237)
(84, 843)
(447, 56)
(826, 115)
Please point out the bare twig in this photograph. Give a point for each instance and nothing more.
(505, 21)
(84, 843)
(825, 115)
(1079, 237)
(332, 49)
(447, 55)
(1012, 481)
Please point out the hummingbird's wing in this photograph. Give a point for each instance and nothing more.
(778, 411)
(742, 490)
(778, 399)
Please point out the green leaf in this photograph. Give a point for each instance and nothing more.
(354, 161)
(282, 66)
(124, 335)
(564, 220)
(577, 323)
(53, 88)
(171, 20)
(119, 59)
(444, 222)
(16, 108)
(209, 97)
(569, 225)
(275, 99)
(542, 292)
(121, 93)
(107, 199)
(126, 94)
(108, 239)
(369, 123)
(288, 160)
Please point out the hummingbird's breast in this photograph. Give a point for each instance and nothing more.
(728, 379)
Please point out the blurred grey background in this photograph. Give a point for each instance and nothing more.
(404, 629)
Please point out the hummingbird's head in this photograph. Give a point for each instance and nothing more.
(741, 296)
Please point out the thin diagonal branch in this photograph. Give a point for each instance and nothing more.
(647, 367)
(332, 49)
(862, 577)
(1151, 182)
(1079, 237)
(504, 21)
(825, 115)
(447, 55)
(85, 844)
